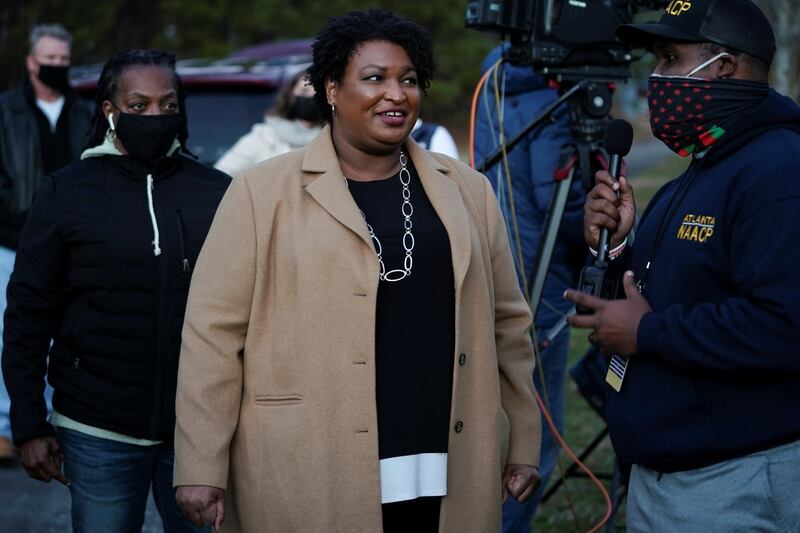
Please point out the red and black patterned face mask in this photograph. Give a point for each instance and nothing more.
(690, 114)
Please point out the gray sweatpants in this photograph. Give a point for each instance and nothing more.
(755, 493)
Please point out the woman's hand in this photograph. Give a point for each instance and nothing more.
(604, 210)
(201, 504)
(521, 481)
(42, 457)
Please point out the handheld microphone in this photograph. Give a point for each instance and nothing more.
(593, 280)
(618, 140)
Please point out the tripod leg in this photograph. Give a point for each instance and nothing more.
(585, 164)
(552, 333)
(547, 242)
(573, 467)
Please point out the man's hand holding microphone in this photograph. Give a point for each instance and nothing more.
(609, 215)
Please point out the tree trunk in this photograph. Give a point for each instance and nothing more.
(785, 18)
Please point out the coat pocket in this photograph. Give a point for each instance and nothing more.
(276, 400)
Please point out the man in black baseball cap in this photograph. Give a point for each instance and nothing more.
(707, 410)
(722, 49)
(736, 24)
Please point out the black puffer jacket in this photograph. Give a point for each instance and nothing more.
(87, 276)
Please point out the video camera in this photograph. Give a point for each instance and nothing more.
(573, 43)
(570, 40)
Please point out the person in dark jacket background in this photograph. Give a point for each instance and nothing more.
(532, 165)
(707, 408)
(43, 126)
(103, 271)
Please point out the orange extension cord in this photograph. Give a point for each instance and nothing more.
(473, 112)
(545, 412)
(586, 469)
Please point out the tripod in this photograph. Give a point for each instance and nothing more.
(589, 102)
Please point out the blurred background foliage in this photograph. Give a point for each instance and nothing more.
(214, 28)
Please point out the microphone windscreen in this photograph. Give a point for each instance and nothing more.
(619, 137)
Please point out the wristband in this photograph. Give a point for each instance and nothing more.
(614, 252)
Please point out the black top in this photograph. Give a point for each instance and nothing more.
(54, 142)
(415, 325)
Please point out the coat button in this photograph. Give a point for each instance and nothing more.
(462, 359)
(459, 426)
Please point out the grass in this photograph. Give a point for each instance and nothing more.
(582, 423)
(581, 426)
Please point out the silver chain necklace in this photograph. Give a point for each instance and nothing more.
(407, 209)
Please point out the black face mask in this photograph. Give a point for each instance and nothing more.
(689, 115)
(305, 108)
(148, 137)
(55, 77)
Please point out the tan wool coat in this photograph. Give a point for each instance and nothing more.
(276, 387)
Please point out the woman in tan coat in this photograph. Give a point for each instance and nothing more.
(356, 353)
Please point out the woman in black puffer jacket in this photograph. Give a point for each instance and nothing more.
(103, 272)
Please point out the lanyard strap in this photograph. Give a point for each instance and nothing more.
(681, 189)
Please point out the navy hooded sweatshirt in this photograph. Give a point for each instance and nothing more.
(717, 375)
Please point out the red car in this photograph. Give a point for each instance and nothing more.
(225, 97)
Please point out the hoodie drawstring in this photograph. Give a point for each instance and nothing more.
(156, 239)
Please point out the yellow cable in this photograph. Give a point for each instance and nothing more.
(507, 172)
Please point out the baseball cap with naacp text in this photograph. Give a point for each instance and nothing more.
(736, 24)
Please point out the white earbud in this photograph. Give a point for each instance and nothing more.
(111, 121)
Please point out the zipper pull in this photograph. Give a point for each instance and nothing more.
(642, 283)
(75, 364)
(182, 237)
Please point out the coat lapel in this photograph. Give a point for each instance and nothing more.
(448, 202)
(328, 186)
